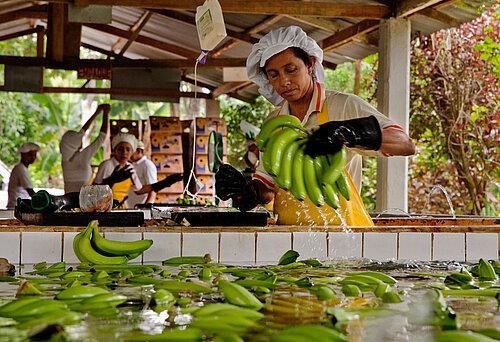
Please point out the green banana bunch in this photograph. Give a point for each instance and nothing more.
(112, 247)
(90, 247)
(308, 332)
(282, 140)
(461, 336)
(80, 292)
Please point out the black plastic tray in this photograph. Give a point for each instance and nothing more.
(110, 219)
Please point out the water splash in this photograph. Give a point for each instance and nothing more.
(443, 190)
(389, 210)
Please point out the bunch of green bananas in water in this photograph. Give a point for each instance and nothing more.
(282, 140)
(89, 246)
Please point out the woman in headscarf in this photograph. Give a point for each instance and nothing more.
(286, 65)
(75, 161)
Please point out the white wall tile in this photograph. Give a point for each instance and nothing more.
(380, 246)
(9, 246)
(449, 246)
(194, 244)
(310, 245)
(271, 246)
(68, 253)
(238, 248)
(165, 245)
(41, 246)
(121, 236)
(482, 245)
(415, 246)
(344, 245)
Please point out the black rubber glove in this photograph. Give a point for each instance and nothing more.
(230, 183)
(42, 201)
(119, 175)
(168, 181)
(332, 136)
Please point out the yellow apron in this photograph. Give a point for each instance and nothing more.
(291, 211)
(120, 190)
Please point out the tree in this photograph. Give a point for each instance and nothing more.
(455, 94)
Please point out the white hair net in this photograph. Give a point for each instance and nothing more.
(28, 147)
(71, 142)
(275, 42)
(124, 137)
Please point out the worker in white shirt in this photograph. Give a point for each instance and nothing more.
(20, 185)
(75, 161)
(145, 169)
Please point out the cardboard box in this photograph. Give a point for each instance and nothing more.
(168, 163)
(205, 125)
(133, 127)
(165, 143)
(202, 144)
(167, 198)
(202, 165)
(205, 184)
(174, 188)
(165, 124)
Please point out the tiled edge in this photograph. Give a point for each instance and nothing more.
(41, 246)
(10, 246)
(481, 245)
(237, 248)
(271, 246)
(449, 246)
(380, 246)
(194, 244)
(68, 253)
(165, 245)
(310, 244)
(415, 246)
(345, 245)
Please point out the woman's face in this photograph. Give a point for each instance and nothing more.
(289, 76)
(123, 151)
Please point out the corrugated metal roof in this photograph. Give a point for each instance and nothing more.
(177, 32)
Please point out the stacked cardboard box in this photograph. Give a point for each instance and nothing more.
(163, 145)
(203, 127)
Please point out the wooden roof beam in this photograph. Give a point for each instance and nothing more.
(228, 88)
(167, 47)
(314, 8)
(75, 63)
(408, 7)
(124, 91)
(22, 33)
(440, 17)
(347, 35)
(135, 30)
(211, 88)
(33, 12)
(102, 51)
(321, 23)
(249, 32)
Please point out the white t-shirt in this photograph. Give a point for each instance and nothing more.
(146, 171)
(76, 164)
(341, 106)
(18, 183)
(106, 169)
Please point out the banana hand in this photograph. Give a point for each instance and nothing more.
(273, 124)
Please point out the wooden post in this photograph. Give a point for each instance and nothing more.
(393, 101)
(55, 34)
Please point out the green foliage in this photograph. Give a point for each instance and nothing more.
(234, 112)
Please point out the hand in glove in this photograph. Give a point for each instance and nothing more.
(230, 183)
(168, 181)
(332, 136)
(119, 175)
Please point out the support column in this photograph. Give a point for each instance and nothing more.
(393, 101)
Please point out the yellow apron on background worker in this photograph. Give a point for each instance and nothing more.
(120, 190)
(291, 211)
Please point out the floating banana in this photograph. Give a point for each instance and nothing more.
(238, 295)
(273, 124)
(113, 247)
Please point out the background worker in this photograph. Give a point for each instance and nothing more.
(146, 171)
(75, 161)
(20, 185)
(286, 65)
(117, 171)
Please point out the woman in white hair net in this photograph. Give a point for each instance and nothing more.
(75, 160)
(20, 185)
(286, 65)
(118, 171)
